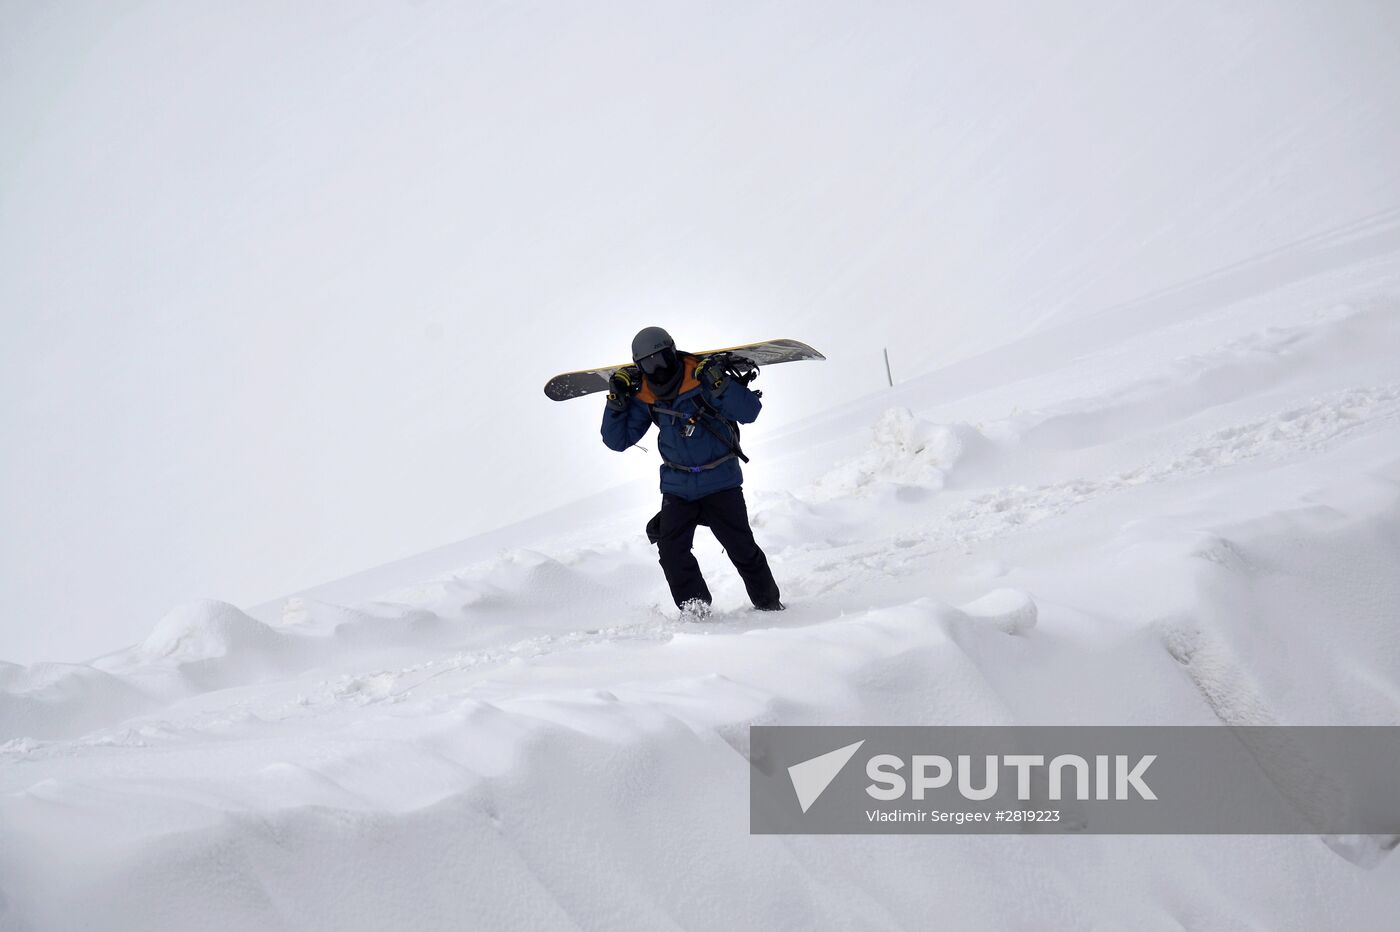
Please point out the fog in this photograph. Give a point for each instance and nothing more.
(281, 283)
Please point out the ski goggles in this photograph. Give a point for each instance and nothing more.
(662, 362)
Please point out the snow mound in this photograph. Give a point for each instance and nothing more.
(61, 700)
(369, 625)
(1009, 610)
(213, 644)
(908, 455)
(205, 629)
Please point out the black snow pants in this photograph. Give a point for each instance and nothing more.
(728, 517)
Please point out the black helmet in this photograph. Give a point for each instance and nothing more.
(654, 352)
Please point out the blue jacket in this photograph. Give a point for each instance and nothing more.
(734, 401)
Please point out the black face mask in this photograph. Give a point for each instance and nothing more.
(660, 367)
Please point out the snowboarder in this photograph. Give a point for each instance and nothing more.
(694, 403)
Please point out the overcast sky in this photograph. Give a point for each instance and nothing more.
(281, 282)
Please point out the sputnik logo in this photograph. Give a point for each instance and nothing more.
(811, 777)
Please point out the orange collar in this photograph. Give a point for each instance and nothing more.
(647, 395)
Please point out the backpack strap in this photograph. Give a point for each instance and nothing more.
(710, 465)
(705, 412)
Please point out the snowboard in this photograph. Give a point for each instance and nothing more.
(568, 385)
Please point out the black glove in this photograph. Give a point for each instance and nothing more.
(621, 387)
(710, 372)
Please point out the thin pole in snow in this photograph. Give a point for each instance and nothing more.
(888, 375)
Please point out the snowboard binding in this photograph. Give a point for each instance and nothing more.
(737, 368)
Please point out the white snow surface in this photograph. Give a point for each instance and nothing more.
(1184, 510)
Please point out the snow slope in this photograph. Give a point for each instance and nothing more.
(263, 264)
(1183, 510)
